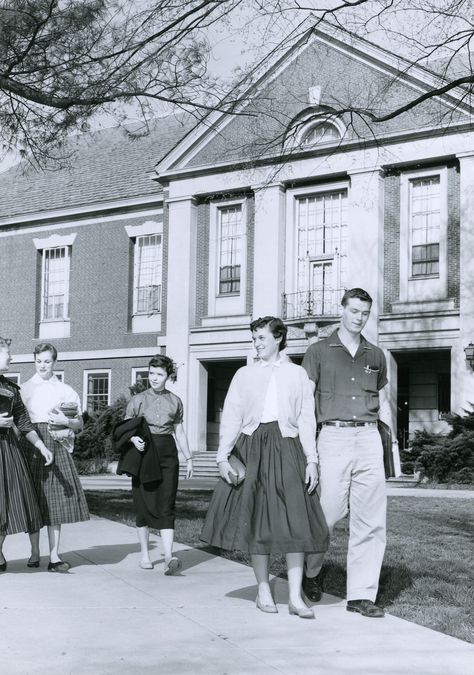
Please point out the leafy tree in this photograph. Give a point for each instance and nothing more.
(62, 62)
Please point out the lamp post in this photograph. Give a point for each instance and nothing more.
(469, 352)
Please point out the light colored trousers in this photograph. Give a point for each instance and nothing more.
(353, 478)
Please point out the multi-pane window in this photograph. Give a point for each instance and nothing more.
(140, 377)
(425, 222)
(55, 283)
(13, 377)
(230, 249)
(321, 133)
(148, 274)
(322, 244)
(97, 391)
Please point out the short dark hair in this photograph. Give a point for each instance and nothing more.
(45, 347)
(275, 326)
(163, 361)
(358, 293)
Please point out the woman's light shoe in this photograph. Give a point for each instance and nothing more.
(302, 612)
(173, 566)
(268, 609)
(59, 566)
(146, 565)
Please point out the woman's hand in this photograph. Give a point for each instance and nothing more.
(6, 421)
(138, 442)
(227, 473)
(47, 454)
(189, 468)
(58, 417)
(311, 478)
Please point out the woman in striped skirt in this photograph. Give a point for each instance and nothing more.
(19, 510)
(60, 494)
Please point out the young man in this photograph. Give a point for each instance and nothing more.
(349, 377)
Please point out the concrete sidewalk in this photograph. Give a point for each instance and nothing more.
(109, 617)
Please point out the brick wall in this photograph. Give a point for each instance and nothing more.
(202, 262)
(391, 240)
(454, 225)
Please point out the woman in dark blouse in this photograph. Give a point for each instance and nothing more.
(155, 501)
(19, 510)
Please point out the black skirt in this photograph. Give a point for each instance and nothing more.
(271, 511)
(155, 502)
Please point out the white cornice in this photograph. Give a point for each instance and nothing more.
(73, 212)
(94, 355)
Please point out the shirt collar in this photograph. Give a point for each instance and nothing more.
(37, 379)
(335, 341)
(265, 364)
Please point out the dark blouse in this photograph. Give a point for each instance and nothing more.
(20, 413)
(162, 410)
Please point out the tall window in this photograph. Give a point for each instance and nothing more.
(322, 244)
(148, 274)
(55, 283)
(97, 386)
(230, 249)
(425, 221)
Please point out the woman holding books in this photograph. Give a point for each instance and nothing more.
(19, 510)
(268, 424)
(54, 409)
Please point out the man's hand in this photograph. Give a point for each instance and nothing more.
(311, 478)
(227, 473)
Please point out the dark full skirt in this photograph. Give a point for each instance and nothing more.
(271, 511)
(19, 510)
(58, 488)
(154, 502)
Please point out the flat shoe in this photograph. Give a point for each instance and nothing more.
(173, 566)
(3, 566)
(60, 566)
(33, 563)
(303, 612)
(268, 609)
(146, 565)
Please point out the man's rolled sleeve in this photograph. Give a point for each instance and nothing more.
(307, 421)
(311, 363)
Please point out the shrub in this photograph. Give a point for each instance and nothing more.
(93, 448)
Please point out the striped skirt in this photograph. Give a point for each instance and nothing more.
(19, 510)
(60, 495)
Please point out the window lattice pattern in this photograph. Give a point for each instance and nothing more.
(148, 274)
(425, 225)
(97, 392)
(55, 283)
(230, 249)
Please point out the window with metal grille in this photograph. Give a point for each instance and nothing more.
(323, 132)
(55, 284)
(230, 249)
(425, 221)
(98, 391)
(148, 274)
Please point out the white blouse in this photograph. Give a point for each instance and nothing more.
(41, 396)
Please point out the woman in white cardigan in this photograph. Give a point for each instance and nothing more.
(268, 424)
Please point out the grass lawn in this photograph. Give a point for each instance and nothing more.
(427, 576)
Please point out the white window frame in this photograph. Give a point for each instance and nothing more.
(135, 371)
(136, 270)
(55, 327)
(60, 375)
(430, 287)
(292, 197)
(230, 304)
(143, 322)
(14, 377)
(95, 371)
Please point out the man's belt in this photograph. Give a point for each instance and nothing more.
(344, 423)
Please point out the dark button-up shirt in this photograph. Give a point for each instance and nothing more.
(161, 409)
(346, 387)
(19, 412)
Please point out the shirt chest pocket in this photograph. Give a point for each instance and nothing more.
(370, 380)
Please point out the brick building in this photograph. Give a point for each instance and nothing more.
(175, 241)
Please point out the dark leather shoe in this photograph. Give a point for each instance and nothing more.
(366, 608)
(33, 563)
(312, 588)
(3, 566)
(60, 566)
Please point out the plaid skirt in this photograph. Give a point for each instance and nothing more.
(19, 510)
(58, 488)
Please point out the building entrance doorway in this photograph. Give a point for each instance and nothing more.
(219, 376)
(423, 392)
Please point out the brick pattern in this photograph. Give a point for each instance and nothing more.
(454, 228)
(202, 262)
(391, 240)
(250, 252)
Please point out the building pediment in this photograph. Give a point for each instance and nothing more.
(328, 70)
